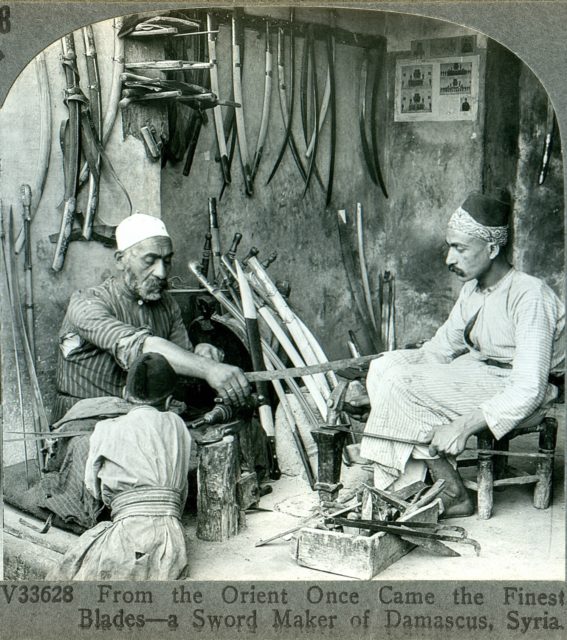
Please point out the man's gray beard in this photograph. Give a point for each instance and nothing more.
(143, 291)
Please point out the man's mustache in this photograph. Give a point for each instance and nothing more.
(455, 270)
(157, 283)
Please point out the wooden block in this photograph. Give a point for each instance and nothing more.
(218, 513)
(247, 490)
(352, 555)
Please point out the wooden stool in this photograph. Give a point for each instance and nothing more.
(492, 469)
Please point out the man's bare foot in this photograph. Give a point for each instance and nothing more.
(456, 500)
(454, 508)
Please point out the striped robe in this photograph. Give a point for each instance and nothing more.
(145, 449)
(102, 333)
(519, 322)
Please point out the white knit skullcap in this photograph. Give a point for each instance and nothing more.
(138, 227)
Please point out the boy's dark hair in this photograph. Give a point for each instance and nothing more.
(151, 379)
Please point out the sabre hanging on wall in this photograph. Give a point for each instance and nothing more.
(217, 113)
(239, 112)
(70, 130)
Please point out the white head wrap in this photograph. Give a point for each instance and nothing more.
(138, 227)
(464, 222)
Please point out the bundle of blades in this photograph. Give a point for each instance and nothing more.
(257, 357)
(237, 37)
(78, 133)
(272, 362)
(371, 155)
(415, 532)
(302, 337)
(19, 327)
(198, 117)
(287, 105)
(113, 100)
(70, 131)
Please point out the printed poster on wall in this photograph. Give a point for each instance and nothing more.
(437, 89)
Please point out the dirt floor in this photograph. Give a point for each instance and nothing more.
(518, 542)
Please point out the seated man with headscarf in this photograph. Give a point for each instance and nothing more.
(105, 329)
(487, 366)
(137, 465)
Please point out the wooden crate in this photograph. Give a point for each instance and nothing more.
(356, 556)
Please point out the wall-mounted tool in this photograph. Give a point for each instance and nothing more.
(153, 146)
(217, 113)
(265, 105)
(70, 131)
(95, 105)
(239, 113)
(371, 157)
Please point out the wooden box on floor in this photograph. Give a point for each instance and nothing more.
(356, 556)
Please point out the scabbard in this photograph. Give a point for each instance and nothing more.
(73, 96)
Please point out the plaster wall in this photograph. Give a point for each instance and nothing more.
(87, 263)
(428, 167)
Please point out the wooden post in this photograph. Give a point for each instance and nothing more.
(329, 456)
(544, 486)
(218, 513)
(485, 478)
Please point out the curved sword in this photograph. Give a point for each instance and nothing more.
(273, 362)
(217, 112)
(114, 98)
(362, 120)
(239, 111)
(374, 128)
(315, 97)
(287, 116)
(72, 96)
(333, 104)
(265, 106)
(93, 82)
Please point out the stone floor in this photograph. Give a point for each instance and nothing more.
(518, 542)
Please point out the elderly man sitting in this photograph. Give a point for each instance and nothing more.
(106, 328)
(487, 366)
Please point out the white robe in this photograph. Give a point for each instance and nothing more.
(520, 322)
(143, 449)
